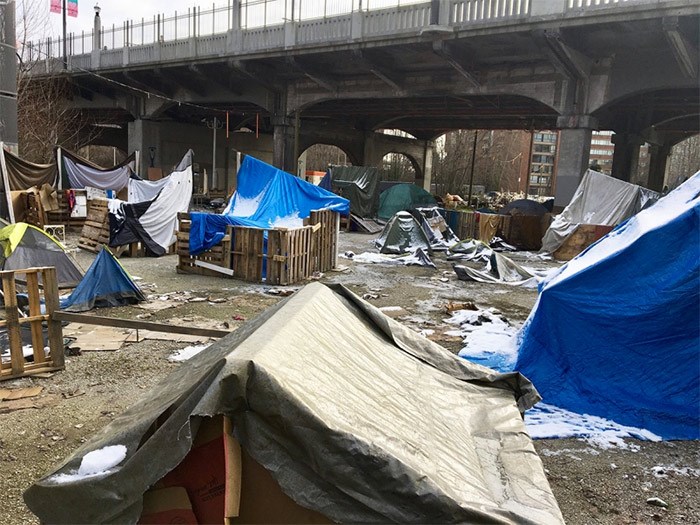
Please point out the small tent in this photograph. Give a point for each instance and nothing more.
(402, 234)
(106, 283)
(402, 197)
(26, 246)
(616, 331)
(336, 413)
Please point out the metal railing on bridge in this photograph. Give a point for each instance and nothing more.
(263, 24)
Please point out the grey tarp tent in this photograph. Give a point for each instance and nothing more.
(354, 415)
(402, 234)
(600, 200)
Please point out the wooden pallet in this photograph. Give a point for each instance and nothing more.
(463, 223)
(219, 255)
(95, 231)
(13, 322)
(325, 240)
(287, 259)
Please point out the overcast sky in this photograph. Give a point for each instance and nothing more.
(117, 11)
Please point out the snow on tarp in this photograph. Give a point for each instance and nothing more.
(106, 283)
(82, 173)
(153, 222)
(600, 200)
(266, 197)
(616, 331)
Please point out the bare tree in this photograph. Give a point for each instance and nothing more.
(320, 156)
(398, 167)
(683, 162)
(45, 117)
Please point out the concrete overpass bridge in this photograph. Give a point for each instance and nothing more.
(292, 77)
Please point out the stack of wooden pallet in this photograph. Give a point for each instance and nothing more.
(96, 228)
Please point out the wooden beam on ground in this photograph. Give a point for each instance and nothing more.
(137, 325)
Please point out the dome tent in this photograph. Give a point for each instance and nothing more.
(26, 246)
(402, 234)
(402, 197)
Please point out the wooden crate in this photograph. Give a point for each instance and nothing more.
(324, 244)
(219, 255)
(582, 238)
(13, 323)
(34, 210)
(287, 259)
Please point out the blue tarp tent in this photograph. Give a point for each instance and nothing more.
(105, 283)
(265, 197)
(616, 331)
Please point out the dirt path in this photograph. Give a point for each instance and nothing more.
(593, 486)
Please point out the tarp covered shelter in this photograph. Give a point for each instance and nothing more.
(26, 246)
(358, 184)
(523, 207)
(433, 224)
(402, 197)
(354, 416)
(402, 234)
(266, 197)
(106, 283)
(153, 222)
(600, 200)
(616, 331)
(80, 172)
(22, 174)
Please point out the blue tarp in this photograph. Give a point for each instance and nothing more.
(616, 332)
(105, 283)
(265, 197)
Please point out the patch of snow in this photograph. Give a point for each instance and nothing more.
(488, 339)
(245, 207)
(186, 353)
(95, 463)
(290, 221)
(547, 421)
(426, 332)
(391, 308)
(662, 471)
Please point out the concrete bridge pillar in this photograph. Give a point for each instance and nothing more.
(573, 155)
(283, 156)
(657, 166)
(143, 135)
(626, 155)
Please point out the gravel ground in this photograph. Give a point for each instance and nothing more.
(592, 485)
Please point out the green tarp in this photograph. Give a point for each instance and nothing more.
(353, 414)
(360, 185)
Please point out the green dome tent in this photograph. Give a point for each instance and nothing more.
(402, 197)
(26, 246)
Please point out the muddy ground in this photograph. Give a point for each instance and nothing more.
(592, 485)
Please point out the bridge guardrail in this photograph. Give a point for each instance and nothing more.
(245, 26)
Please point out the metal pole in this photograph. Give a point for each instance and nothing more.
(213, 161)
(297, 132)
(471, 175)
(65, 51)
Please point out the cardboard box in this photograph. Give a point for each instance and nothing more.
(167, 506)
(224, 484)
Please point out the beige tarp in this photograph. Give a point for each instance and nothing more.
(22, 174)
(354, 415)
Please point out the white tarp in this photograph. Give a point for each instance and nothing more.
(145, 190)
(80, 174)
(600, 200)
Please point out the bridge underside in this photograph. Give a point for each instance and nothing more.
(628, 74)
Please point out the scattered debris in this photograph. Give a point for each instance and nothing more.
(186, 353)
(657, 502)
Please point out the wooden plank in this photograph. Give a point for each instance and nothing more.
(55, 332)
(34, 311)
(137, 325)
(214, 267)
(12, 318)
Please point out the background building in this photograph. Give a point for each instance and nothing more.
(543, 163)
